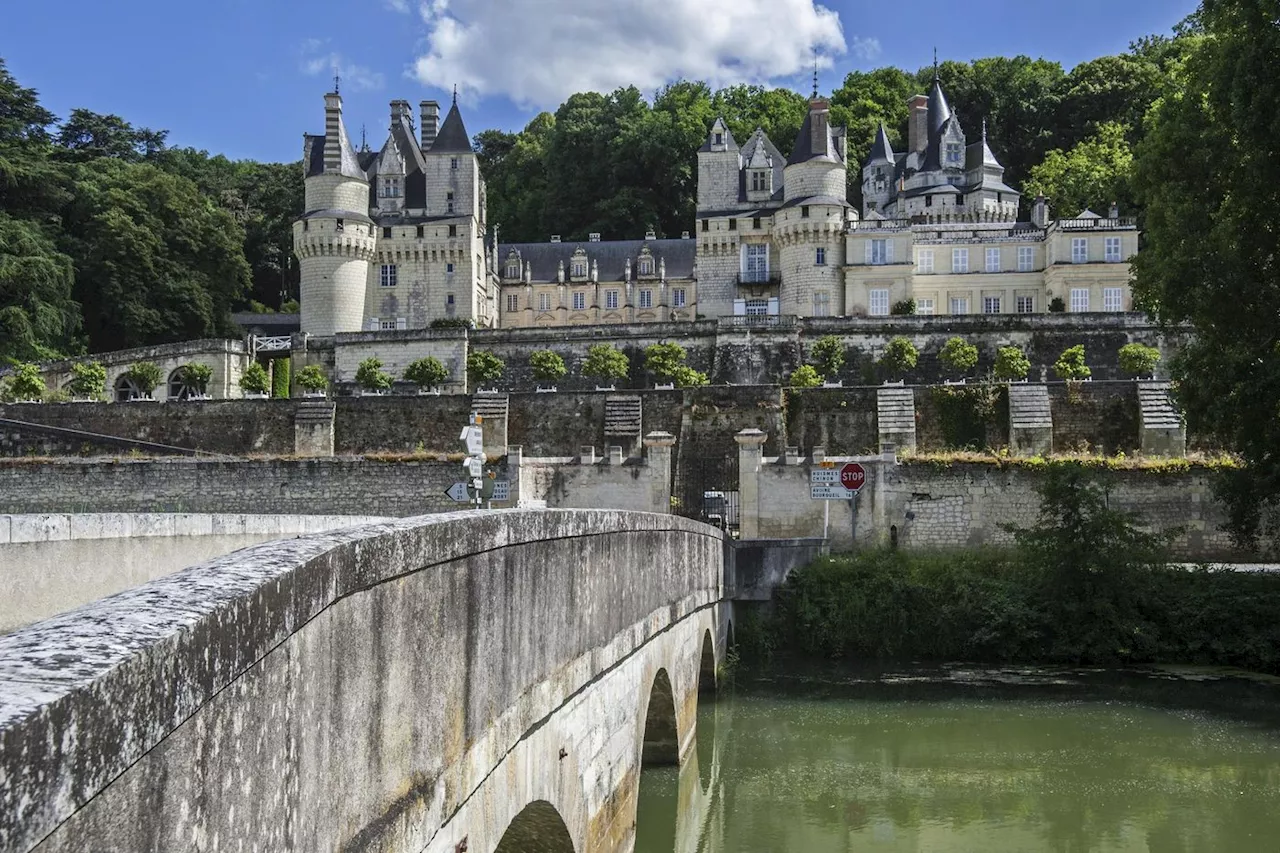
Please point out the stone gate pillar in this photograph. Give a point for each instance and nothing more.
(750, 456)
(658, 453)
(313, 428)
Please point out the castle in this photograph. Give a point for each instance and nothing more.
(398, 238)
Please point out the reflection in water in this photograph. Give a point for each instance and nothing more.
(975, 761)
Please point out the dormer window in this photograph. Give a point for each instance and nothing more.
(719, 137)
(578, 266)
(391, 188)
(760, 180)
(954, 152)
(645, 266)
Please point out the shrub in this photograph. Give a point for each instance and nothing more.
(254, 380)
(26, 383)
(1011, 364)
(196, 377)
(805, 377)
(959, 356)
(145, 376)
(903, 308)
(1056, 305)
(1139, 360)
(547, 365)
(899, 356)
(687, 377)
(484, 366)
(280, 375)
(371, 377)
(1070, 365)
(311, 378)
(427, 372)
(606, 362)
(827, 356)
(452, 323)
(290, 306)
(88, 379)
(663, 360)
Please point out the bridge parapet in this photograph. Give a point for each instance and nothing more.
(356, 689)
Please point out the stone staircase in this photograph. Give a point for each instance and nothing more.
(492, 408)
(1030, 419)
(1160, 422)
(623, 418)
(896, 416)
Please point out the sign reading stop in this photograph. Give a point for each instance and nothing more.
(853, 476)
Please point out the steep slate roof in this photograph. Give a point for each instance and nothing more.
(728, 135)
(452, 137)
(350, 167)
(939, 113)
(881, 150)
(610, 255)
(802, 152)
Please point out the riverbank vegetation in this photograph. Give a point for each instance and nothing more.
(1085, 585)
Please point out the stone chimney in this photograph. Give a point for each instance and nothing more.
(332, 136)
(1040, 212)
(399, 110)
(430, 122)
(918, 124)
(1114, 213)
(819, 115)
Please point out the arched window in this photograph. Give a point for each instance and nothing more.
(578, 265)
(180, 390)
(126, 390)
(644, 265)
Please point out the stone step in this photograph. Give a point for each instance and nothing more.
(490, 406)
(896, 410)
(1156, 408)
(1029, 407)
(623, 416)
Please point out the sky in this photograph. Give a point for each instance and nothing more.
(246, 78)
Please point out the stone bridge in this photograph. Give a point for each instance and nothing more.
(462, 682)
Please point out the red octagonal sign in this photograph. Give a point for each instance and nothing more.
(853, 476)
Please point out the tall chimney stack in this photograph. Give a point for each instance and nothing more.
(332, 135)
(430, 122)
(918, 124)
(399, 110)
(818, 121)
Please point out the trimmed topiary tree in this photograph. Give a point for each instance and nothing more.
(196, 377)
(663, 360)
(827, 356)
(484, 366)
(958, 356)
(606, 363)
(281, 377)
(254, 380)
(1012, 364)
(145, 377)
(903, 308)
(1139, 359)
(805, 376)
(547, 366)
(371, 377)
(899, 356)
(26, 383)
(312, 379)
(687, 377)
(427, 372)
(88, 380)
(1070, 365)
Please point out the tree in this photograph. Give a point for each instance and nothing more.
(88, 380)
(899, 356)
(805, 376)
(828, 356)
(1070, 365)
(196, 377)
(87, 135)
(959, 356)
(1139, 359)
(254, 380)
(427, 372)
(686, 377)
(39, 319)
(484, 366)
(145, 376)
(606, 363)
(1207, 168)
(26, 383)
(1011, 364)
(547, 366)
(1110, 89)
(664, 360)
(310, 378)
(1091, 175)
(371, 377)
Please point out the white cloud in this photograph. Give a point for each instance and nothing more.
(401, 6)
(537, 52)
(355, 78)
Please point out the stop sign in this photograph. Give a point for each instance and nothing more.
(853, 476)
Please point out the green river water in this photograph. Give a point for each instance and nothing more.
(967, 759)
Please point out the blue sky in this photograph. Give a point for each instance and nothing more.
(246, 77)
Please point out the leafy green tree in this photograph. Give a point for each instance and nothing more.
(1092, 175)
(310, 378)
(686, 377)
(87, 135)
(547, 366)
(145, 376)
(254, 380)
(196, 376)
(39, 319)
(664, 360)
(779, 112)
(805, 376)
(903, 308)
(88, 380)
(1011, 364)
(371, 377)
(1110, 89)
(900, 355)
(427, 372)
(1207, 169)
(1139, 359)
(606, 363)
(958, 356)
(827, 356)
(1071, 366)
(26, 383)
(483, 366)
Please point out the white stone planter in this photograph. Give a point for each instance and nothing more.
(314, 395)
(837, 384)
(551, 390)
(26, 402)
(85, 400)
(488, 391)
(428, 392)
(146, 399)
(954, 381)
(254, 395)
(196, 398)
(364, 392)
(669, 386)
(899, 384)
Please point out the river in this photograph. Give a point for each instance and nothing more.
(970, 759)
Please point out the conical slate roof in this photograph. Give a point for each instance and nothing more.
(939, 113)
(881, 150)
(452, 137)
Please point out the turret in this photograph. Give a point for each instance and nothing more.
(878, 174)
(719, 165)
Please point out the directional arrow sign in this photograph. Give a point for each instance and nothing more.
(458, 493)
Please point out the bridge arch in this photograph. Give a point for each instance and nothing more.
(538, 828)
(661, 739)
(707, 666)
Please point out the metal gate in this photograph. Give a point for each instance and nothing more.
(705, 488)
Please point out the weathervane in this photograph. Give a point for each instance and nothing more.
(935, 63)
(455, 94)
(815, 72)
(337, 80)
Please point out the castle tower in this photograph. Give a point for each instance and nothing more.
(334, 239)
(878, 174)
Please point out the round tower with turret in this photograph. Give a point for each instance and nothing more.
(335, 238)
